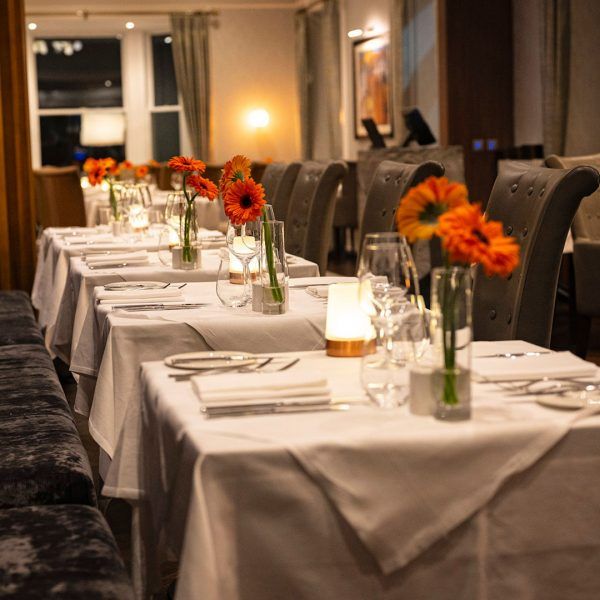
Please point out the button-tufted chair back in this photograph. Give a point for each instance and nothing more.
(536, 205)
(586, 223)
(278, 181)
(310, 213)
(59, 197)
(390, 182)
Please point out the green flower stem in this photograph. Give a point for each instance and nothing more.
(277, 291)
(187, 222)
(450, 395)
(113, 201)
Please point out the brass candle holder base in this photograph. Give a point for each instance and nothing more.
(238, 278)
(349, 348)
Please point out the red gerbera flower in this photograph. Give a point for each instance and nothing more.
(244, 201)
(204, 187)
(186, 163)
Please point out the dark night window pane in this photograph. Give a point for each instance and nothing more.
(60, 142)
(165, 86)
(83, 72)
(165, 135)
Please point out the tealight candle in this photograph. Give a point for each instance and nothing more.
(138, 218)
(347, 327)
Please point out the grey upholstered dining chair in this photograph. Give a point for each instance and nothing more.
(586, 252)
(278, 181)
(390, 183)
(310, 213)
(536, 205)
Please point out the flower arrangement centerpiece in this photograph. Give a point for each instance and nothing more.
(104, 169)
(244, 203)
(193, 186)
(439, 208)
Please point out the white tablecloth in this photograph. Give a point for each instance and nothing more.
(284, 506)
(51, 282)
(76, 312)
(116, 343)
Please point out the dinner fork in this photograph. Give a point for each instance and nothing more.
(226, 369)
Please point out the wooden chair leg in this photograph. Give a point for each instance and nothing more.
(582, 340)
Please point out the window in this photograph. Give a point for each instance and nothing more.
(74, 73)
(165, 108)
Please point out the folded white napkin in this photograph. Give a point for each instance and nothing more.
(89, 239)
(139, 257)
(318, 291)
(555, 364)
(255, 388)
(109, 297)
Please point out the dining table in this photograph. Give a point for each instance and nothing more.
(113, 342)
(361, 502)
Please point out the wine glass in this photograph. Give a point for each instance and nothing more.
(243, 242)
(389, 294)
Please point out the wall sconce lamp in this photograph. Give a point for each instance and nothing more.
(258, 118)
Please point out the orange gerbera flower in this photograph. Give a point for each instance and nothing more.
(153, 163)
(203, 186)
(236, 169)
(97, 174)
(469, 238)
(110, 164)
(90, 164)
(244, 201)
(186, 163)
(419, 210)
(126, 164)
(141, 171)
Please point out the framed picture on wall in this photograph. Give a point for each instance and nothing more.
(372, 84)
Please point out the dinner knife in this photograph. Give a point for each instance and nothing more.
(513, 354)
(277, 409)
(148, 307)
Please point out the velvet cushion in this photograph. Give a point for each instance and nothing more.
(17, 322)
(42, 460)
(59, 552)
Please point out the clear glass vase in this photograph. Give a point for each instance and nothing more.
(451, 336)
(180, 216)
(274, 274)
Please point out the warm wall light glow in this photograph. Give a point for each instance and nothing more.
(258, 118)
(354, 33)
(129, 25)
(32, 26)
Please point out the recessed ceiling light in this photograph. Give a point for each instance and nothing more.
(168, 39)
(354, 33)
(32, 26)
(129, 25)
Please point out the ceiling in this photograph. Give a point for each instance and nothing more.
(150, 5)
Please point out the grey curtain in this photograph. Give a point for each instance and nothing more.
(319, 77)
(191, 58)
(398, 57)
(556, 51)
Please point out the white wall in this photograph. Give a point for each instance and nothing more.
(421, 78)
(253, 66)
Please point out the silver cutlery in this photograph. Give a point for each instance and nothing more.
(513, 354)
(182, 361)
(150, 307)
(224, 369)
(113, 266)
(274, 409)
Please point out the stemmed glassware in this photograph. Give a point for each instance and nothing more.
(243, 242)
(389, 294)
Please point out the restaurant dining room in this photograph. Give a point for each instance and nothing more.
(299, 300)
